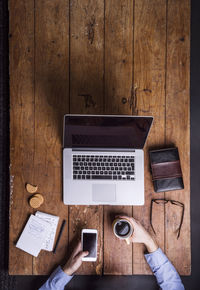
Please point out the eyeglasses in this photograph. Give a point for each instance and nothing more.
(164, 201)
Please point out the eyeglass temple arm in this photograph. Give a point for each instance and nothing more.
(151, 216)
(179, 229)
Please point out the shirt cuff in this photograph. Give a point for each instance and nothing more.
(156, 259)
(59, 278)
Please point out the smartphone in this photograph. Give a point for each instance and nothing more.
(89, 243)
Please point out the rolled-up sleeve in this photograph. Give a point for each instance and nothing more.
(166, 275)
(57, 280)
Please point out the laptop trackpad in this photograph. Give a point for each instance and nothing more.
(104, 192)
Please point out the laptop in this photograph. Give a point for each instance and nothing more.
(103, 159)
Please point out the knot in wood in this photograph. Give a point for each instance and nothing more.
(124, 100)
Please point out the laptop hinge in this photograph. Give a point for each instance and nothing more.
(104, 149)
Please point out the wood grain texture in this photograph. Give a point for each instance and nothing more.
(177, 128)
(118, 57)
(51, 103)
(21, 31)
(118, 100)
(86, 56)
(97, 57)
(149, 94)
(86, 97)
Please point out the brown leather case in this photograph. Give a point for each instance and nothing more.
(166, 169)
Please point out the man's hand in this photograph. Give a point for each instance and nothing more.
(75, 260)
(140, 235)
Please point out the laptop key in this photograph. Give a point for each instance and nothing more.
(87, 177)
(101, 177)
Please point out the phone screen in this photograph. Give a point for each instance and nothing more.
(89, 244)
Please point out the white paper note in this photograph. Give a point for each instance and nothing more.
(53, 222)
(33, 235)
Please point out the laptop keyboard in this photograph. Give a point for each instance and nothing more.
(103, 167)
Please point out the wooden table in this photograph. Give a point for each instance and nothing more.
(80, 56)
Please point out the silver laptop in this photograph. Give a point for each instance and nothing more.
(103, 159)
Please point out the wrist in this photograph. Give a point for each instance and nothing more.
(67, 271)
(151, 245)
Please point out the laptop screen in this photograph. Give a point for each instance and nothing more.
(105, 131)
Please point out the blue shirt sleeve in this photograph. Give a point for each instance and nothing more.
(166, 275)
(57, 280)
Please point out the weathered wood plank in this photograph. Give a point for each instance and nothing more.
(86, 97)
(149, 99)
(86, 56)
(21, 43)
(118, 100)
(178, 128)
(36, 124)
(51, 103)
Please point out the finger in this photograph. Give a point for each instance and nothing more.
(122, 216)
(82, 255)
(126, 217)
(77, 249)
(128, 241)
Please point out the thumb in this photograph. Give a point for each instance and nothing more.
(82, 254)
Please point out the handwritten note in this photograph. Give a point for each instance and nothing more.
(53, 223)
(33, 235)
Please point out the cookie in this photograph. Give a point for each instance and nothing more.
(41, 198)
(36, 200)
(31, 188)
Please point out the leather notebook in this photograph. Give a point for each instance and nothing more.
(166, 169)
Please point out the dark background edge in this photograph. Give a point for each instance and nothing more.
(93, 282)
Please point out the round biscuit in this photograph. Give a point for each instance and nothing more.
(38, 195)
(35, 202)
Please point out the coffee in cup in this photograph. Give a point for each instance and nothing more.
(122, 228)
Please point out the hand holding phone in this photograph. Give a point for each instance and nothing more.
(75, 260)
(89, 243)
